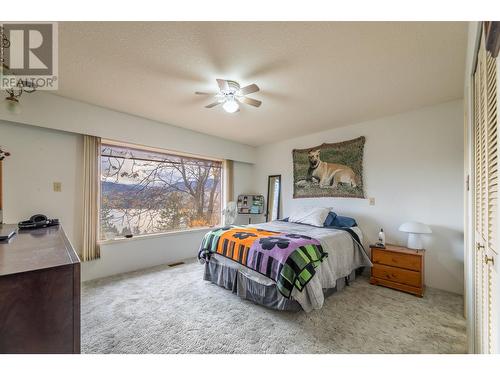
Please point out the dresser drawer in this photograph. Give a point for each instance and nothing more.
(397, 275)
(390, 258)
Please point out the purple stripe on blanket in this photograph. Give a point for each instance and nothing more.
(279, 248)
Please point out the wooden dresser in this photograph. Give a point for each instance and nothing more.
(398, 267)
(39, 293)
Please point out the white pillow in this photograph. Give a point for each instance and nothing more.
(312, 216)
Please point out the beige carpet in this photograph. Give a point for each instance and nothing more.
(172, 310)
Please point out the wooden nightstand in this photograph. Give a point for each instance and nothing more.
(398, 267)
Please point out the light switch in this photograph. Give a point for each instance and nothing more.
(372, 201)
(57, 187)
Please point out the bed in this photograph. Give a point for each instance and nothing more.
(335, 256)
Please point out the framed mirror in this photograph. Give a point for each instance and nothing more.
(273, 197)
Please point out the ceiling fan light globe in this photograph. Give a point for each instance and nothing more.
(230, 106)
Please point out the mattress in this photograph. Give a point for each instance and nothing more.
(344, 257)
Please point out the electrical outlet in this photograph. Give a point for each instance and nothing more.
(57, 187)
(371, 201)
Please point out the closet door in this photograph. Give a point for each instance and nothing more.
(486, 158)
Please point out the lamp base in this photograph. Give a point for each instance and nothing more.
(415, 241)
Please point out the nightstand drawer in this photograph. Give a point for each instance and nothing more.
(390, 258)
(397, 275)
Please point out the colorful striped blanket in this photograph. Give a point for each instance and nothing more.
(288, 259)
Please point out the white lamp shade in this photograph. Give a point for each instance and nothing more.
(415, 229)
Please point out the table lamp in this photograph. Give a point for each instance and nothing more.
(415, 231)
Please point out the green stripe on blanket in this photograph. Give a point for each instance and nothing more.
(299, 269)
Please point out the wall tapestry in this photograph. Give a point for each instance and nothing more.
(329, 170)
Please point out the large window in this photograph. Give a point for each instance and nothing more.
(146, 192)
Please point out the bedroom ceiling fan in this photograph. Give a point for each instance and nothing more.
(231, 95)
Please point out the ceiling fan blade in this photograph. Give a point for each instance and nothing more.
(223, 85)
(203, 93)
(254, 102)
(211, 105)
(249, 89)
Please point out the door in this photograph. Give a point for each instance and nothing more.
(486, 202)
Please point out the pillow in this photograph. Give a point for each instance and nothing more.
(312, 216)
(329, 219)
(340, 221)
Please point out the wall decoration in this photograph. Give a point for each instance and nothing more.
(329, 170)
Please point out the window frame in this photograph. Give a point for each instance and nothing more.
(110, 142)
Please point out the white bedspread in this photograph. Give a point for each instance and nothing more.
(343, 258)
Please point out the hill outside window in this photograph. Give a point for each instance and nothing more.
(146, 191)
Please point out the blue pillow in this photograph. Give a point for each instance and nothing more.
(329, 219)
(334, 220)
(344, 221)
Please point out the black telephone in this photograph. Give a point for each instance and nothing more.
(37, 221)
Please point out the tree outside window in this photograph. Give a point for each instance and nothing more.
(146, 192)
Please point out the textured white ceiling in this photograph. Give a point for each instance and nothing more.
(313, 76)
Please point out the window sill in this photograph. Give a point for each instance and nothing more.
(154, 235)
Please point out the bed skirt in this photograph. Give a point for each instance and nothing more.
(234, 278)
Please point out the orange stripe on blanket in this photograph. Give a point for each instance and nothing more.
(244, 236)
(245, 255)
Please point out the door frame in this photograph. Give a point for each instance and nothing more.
(469, 225)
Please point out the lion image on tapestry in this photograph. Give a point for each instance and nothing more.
(329, 170)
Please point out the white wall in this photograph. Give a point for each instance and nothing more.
(143, 252)
(42, 156)
(38, 158)
(245, 183)
(55, 112)
(413, 167)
